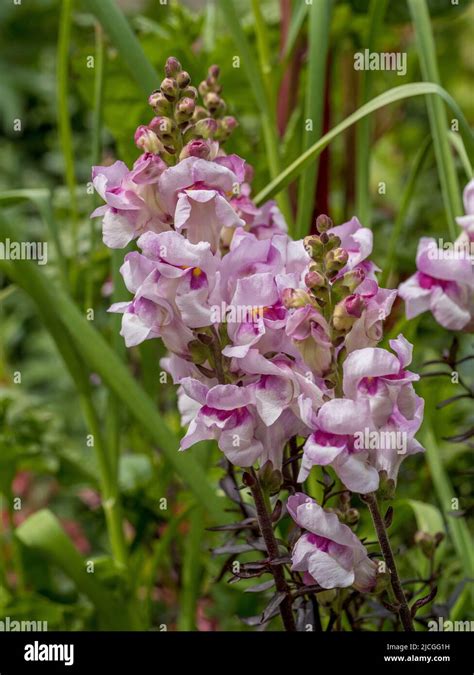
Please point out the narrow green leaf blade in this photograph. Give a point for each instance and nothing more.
(118, 29)
(391, 96)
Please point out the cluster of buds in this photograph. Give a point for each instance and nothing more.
(331, 291)
(183, 128)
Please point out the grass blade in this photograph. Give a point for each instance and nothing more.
(101, 359)
(122, 36)
(388, 97)
(437, 114)
(64, 124)
(319, 27)
(297, 20)
(191, 571)
(257, 84)
(375, 17)
(456, 142)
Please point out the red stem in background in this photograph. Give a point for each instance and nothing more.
(289, 84)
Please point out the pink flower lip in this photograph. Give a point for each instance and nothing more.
(321, 543)
(370, 385)
(426, 282)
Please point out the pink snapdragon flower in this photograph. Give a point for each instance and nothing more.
(332, 443)
(443, 285)
(373, 428)
(196, 194)
(133, 205)
(328, 552)
(229, 415)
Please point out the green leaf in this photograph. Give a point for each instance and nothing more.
(428, 517)
(101, 359)
(297, 19)
(116, 26)
(318, 37)
(388, 97)
(43, 534)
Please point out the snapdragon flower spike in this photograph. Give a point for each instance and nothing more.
(257, 326)
(328, 552)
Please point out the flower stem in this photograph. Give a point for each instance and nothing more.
(266, 528)
(403, 610)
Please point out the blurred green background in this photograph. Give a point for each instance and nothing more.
(45, 460)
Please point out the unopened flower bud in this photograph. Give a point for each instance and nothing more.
(183, 79)
(184, 110)
(353, 278)
(190, 92)
(323, 223)
(203, 88)
(314, 279)
(313, 246)
(147, 140)
(229, 123)
(212, 101)
(336, 259)
(332, 241)
(196, 148)
(347, 311)
(169, 87)
(200, 113)
(293, 298)
(214, 71)
(206, 128)
(159, 103)
(164, 128)
(172, 67)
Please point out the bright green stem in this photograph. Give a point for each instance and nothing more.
(402, 213)
(437, 114)
(319, 27)
(375, 17)
(64, 124)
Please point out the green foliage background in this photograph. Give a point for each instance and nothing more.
(169, 575)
